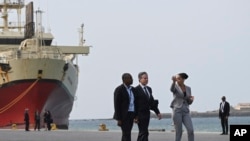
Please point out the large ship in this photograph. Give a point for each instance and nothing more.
(35, 74)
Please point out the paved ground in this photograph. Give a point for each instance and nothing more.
(64, 135)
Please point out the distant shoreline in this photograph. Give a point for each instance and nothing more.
(234, 113)
(208, 114)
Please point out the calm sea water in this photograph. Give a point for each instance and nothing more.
(210, 124)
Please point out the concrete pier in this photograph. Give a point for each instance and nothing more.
(65, 135)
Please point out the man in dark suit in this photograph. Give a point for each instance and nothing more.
(224, 112)
(145, 103)
(26, 119)
(125, 106)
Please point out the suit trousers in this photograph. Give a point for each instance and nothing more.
(224, 124)
(182, 116)
(37, 125)
(27, 124)
(143, 126)
(127, 125)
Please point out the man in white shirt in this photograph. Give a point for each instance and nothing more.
(224, 112)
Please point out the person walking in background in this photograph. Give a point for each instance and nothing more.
(224, 111)
(37, 121)
(181, 101)
(125, 106)
(27, 119)
(145, 103)
(45, 119)
(49, 120)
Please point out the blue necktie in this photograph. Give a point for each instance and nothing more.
(146, 92)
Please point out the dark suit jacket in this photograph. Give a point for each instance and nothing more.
(226, 110)
(121, 102)
(26, 117)
(144, 105)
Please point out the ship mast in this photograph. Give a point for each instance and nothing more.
(39, 27)
(81, 39)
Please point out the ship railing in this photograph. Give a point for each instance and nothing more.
(14, 25)
(50, 54)
(13, 2)
(30, 54)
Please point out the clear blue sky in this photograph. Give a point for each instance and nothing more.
(209, 40)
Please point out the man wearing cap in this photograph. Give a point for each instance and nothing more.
(224, 111)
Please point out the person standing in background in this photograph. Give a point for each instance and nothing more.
(224, 111)
(180, 104)
(145, 103)
(49, 120)
(125, 106)
(27, 119)
(37, 121)
(45, 119)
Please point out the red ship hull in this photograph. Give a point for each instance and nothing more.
(34, 95)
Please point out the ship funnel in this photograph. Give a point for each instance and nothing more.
(29, 26)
